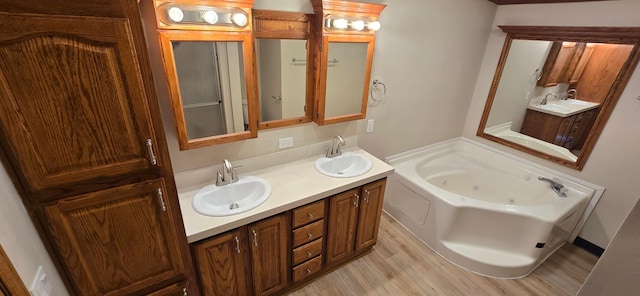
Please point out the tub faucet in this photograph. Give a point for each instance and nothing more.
(228, 174)
(556, 186)
(334, 149)
(544, 101)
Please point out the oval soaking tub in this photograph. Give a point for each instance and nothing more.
(481, 210)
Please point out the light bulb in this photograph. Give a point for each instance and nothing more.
(210, 16)
(175, 14)
(340, 23)
(375, 26)
(239, 19)
(357, 25)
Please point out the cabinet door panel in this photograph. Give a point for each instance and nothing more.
(116, 241)
(223, 263)
(269, 254)
(74, 107)
(342, 223)
(369, 217)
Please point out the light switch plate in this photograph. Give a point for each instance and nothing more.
(285, 142)
(370, 126)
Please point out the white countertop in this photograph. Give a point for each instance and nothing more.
(293, 184)
(564, 108)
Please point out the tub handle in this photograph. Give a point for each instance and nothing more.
(357, 201)
(366, 198)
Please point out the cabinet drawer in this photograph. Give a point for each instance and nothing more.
(307, 214)
(308, 233)
(306, 252)
(307, 269)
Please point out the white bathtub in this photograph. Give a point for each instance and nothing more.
(481, 210)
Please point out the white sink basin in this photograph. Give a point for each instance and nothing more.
(347, 165)
(235, 198)
(555, 107)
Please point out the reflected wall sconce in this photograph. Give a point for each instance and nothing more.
(177, 13)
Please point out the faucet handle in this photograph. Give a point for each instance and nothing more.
(234, 175)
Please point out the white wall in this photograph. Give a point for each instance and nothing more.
(613, 162)
(19, 239)
(428, 54)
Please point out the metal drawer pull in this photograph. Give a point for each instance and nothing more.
(152, 156)
(309, 254)
(255, 238)
(366, 198)
(308, 271)
(309, 235)
(357, 201)
(184, 292)
(237, 245)
(161, 199)
(310, 216)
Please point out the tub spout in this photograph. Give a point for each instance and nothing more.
(555, 186)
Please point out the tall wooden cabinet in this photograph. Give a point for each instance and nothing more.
(82, 138)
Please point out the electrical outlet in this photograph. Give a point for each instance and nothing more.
(41, 285)
(285, 142)
(370, 126)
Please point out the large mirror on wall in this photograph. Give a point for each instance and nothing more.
(284, 67)
(555, 88)
(210, 93)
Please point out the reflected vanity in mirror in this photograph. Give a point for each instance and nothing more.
(284, 73)
(208, 60)
(555, 88)
(345, 34)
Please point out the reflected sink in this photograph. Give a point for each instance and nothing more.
(555, 107)
(235, 198)
(576, 102)
(347, 165)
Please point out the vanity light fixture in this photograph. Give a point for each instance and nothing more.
(355, 24)
(202, 15)
(175, 14)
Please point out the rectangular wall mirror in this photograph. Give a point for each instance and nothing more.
(284, 73)
(211, 94)
(555, 88)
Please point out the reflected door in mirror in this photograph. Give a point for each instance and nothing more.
(282, 75)
(211, 85)
(346, 68)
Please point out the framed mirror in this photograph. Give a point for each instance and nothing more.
(211, 86)
(555, 88)
(284, 72)
(345, 37)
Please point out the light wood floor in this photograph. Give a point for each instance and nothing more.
(400, 264)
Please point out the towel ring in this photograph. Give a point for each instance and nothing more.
(375, 90)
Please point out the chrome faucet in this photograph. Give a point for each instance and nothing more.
(228, 174)
(544, 101)
(334, 149)
(555, 186)
(575, 94)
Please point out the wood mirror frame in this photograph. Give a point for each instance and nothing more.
(614, 35)
(323, 37)
(188, 32)
(268, 24)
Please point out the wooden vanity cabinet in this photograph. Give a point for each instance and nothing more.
(565, 63)
(354, 219)
(287, 250)
(82, 138)
(569, 132)
(250, 260)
